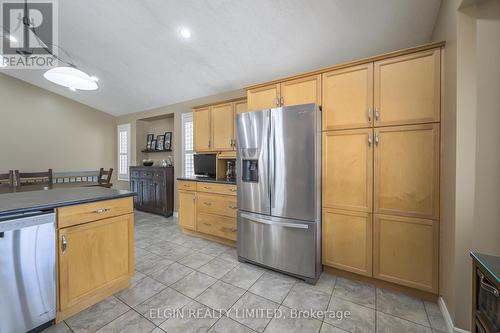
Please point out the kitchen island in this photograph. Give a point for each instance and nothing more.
(94, 247)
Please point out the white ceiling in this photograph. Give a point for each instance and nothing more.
(134, 46)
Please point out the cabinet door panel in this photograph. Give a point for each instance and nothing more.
(187, 209)
(201, 129)
(97, 254)
(347, 241)
(265, 97)
(348, 98)
(222, 126)
(301, 91)
(407, 89)
(240, 106)
(348, 169)
(406, 171)
(405, 251)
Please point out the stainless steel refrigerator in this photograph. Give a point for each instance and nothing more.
(279, 189)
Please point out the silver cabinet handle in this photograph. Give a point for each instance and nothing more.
(370, 112)
(370, 139)
(278, 224)
(103, 210)
(277, 101)
(233, 207)
(194, 198)
(64, 244)
(377, 139)
(207, 204)
(488, 287)
(377, 114)
(282, 100)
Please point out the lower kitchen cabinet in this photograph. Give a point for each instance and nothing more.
(96, 257)
(405, 251)
(208, 209)
(347, 240)
(187, 209)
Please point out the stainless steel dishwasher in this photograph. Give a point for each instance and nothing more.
(27, 271)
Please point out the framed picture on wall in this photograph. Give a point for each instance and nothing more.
(150, 138)
(168, 140)
(160, 142)
(153, 145)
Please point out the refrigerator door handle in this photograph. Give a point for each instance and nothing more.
(278, 224)
(272, 161)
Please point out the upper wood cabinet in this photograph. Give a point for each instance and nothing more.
(214, 126)
(240, 106)
(407, 89)
(347, 169)
(223, 127)
(303, 90)
(265, 97)
(405, 251)
(347, 240)
(202, 129)
(348, 98)
(187, 209)
(406, 170)
(96, 255)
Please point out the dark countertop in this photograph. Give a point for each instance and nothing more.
(489, 263)
(20, 202)
(208, 180)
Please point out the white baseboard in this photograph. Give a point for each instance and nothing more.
(447, 318)
(176, 214)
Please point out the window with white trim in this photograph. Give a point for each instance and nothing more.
(187, 145)
(123, 151)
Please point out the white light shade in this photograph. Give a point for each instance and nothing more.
(185, 33)
(70, 77)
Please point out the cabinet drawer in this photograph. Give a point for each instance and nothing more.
(216, 188)
(217, 204)
(186, 185)
(146, 174)
(78, 214)
(224, 227)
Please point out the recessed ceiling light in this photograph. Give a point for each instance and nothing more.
(185, 33)
(94, 78)
(72, 89)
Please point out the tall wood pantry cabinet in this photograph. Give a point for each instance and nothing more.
(381, 157)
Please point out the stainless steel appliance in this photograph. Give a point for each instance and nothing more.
(279, 189)
(27, 271)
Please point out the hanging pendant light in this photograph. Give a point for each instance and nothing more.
(71, 77)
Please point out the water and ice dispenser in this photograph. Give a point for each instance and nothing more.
(250, 172)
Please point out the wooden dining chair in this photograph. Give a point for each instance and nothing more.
(7, 179)
(105, 177)
(34, 178)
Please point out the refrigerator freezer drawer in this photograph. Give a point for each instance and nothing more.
(282, 244)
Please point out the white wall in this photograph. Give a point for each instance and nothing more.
(470, 203)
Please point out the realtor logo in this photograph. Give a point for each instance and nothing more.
(29, 34)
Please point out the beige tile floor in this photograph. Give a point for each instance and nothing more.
(176, 271)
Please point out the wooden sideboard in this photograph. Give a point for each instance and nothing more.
(155, 189)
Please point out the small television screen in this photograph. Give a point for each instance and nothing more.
(205, 164)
